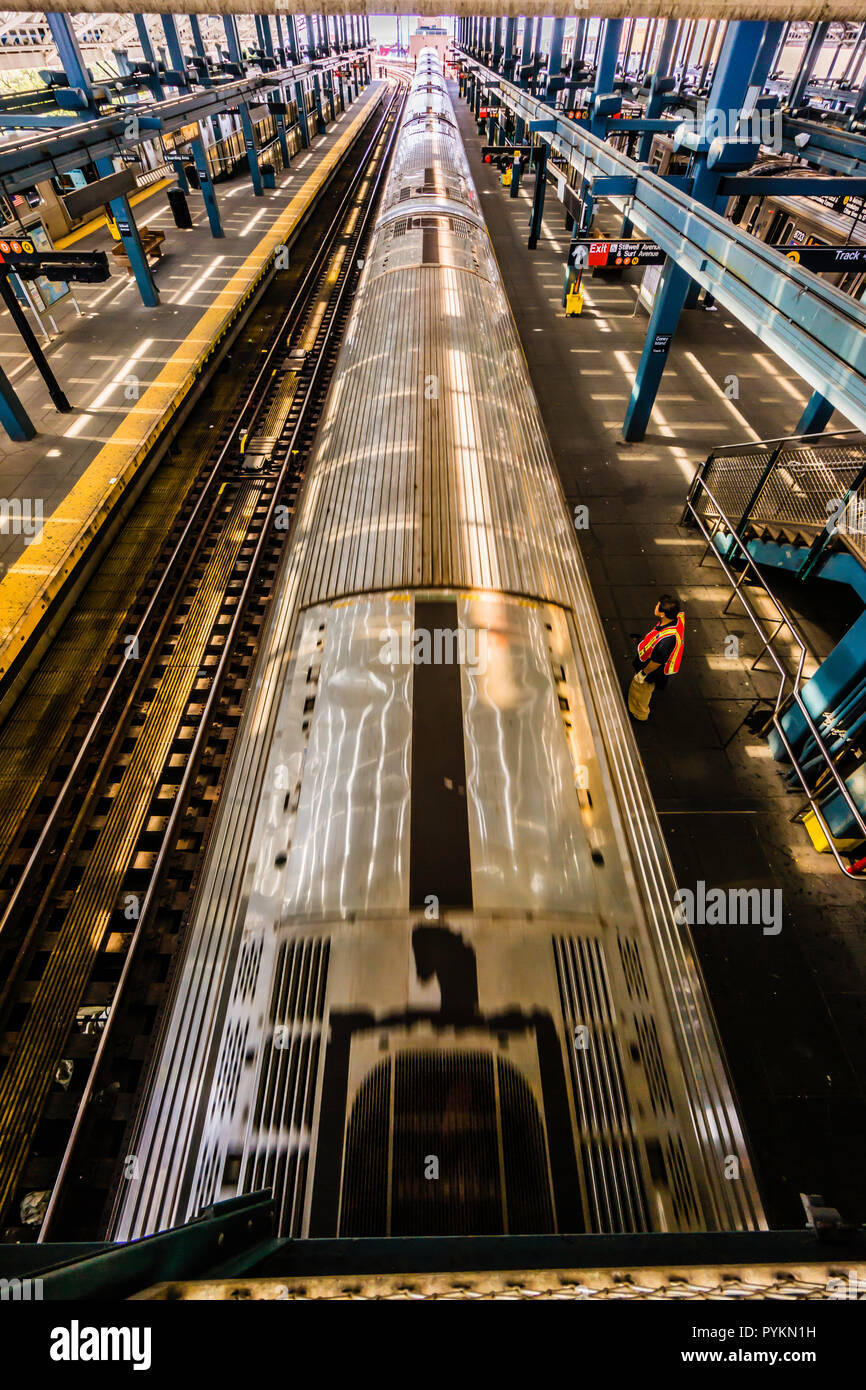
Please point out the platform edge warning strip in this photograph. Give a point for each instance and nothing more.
(27, 591)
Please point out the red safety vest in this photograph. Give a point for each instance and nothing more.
(678, 630)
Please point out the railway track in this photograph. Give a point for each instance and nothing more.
(97, 888)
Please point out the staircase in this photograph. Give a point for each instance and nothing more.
(799, 504)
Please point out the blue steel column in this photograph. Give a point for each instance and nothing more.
(73, 65)
(321, 127)
(198, 45)
(655, 104)
(300, 98)
(526, 50)
(175, 53)
(797, 94)
(538, 195)
(267, 35)
(292, 30)
(13, 417)
(232, 40)
(554, 62)
(730, 85)
(280, 119)
(816, 415)
(496, 44)
(157, 90)
(767, 54)
(858, 110)
(234, 47)
(605, 70)
(508, 48)
(250, 146)
(207, 188)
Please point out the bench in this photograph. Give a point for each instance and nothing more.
(151, 244)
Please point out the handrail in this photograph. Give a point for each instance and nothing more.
(782, 697)
(753, 445)
(761, 459)
(813, 325)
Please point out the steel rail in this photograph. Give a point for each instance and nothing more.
(194, 522)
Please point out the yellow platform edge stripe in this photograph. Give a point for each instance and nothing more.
(33, 581)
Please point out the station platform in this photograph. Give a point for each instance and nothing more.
(128, 369)
(791, 1007)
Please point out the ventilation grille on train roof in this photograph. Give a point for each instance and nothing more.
(228, 1072)
(610, 1145)
(609, 1149)
(282, 1119)
(460, 226)
(471, 1112)
(432, 189)
(281, 1122)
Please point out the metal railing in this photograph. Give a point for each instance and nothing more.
(815, 484)
(707, 512)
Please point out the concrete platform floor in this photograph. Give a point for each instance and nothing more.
(119, 346)
(791, 1007)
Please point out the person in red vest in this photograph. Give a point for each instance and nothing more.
(658, 655)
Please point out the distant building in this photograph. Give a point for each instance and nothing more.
(429, 36)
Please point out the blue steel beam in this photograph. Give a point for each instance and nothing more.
(767, 53)
(233, 42)
(730, 85)
(803, 185)
(797, 94)
(156, 87)
(200, 51)
(554, 61)
(526, 51)
(267, 36)
(842, 151)
(11, 120)
(496, 43)
(175, 52)
(605, 69)
(292, 34)
(819, 331)
(509, 57)
(35, 158)
(73, 65)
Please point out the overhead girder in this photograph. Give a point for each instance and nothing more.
(604, 9)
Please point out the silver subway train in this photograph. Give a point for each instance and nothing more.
(433, 981)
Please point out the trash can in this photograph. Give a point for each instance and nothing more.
(269, 179)
(179, 208)
(192, 176)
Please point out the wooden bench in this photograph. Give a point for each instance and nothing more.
(151, 244)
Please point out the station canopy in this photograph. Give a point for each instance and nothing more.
(604, 9)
